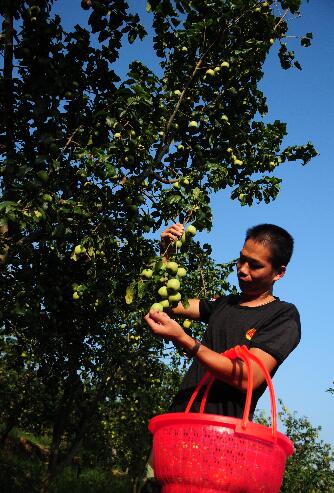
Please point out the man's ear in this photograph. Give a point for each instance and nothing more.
(280, 273)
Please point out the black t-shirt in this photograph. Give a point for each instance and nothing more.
(274, 328)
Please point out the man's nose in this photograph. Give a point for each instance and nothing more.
(243, 270)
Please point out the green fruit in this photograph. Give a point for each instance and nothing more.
(86, 4)
(43, 175)
(76, 295)
(132, 208)
(35, 10)
(147, 273)
(184, 48)
(224, 117)
(192, 124)
(225, 64)
(47, 197)
(177, 92)
(177, 185)
(173, 284)
(37, 213)
(157, 307)
(271, 41)
(210, 72)
(187, 323)
(117, 135)
(178, 243)
(79, 249)
(173, 298)
(172, 267)
(54, 148)
(191, 230)
(186, 181)
(180, 147)
(181, 272)
(163, 292)
(164, 303)
(216, 69)
(238, 162)
(183, 238)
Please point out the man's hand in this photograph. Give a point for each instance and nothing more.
(169, 235)
(162, 325)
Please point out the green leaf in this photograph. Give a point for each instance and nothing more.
(130, 293)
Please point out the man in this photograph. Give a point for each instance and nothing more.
(269, 327)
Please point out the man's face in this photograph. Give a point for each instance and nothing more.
(255, 271)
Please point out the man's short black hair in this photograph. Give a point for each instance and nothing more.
(277, 239)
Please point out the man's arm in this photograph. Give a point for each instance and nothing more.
(191, 311)
(231, 372)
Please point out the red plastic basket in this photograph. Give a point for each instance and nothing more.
(206, 453)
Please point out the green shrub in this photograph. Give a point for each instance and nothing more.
(91, 481)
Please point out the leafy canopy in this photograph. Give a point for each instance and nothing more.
(91, 163)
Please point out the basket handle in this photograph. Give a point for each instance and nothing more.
(241, 352)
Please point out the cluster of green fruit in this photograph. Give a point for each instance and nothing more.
(186, 236)
(211, 72)
(171, 276)
(169, 292)
(236, 161)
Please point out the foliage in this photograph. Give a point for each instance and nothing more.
(20, 474)
(92, 163)
(92, 481)
(19, 471)
(310, 468)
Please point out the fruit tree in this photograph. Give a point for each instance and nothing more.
(93, 164)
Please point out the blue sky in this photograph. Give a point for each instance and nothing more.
(305, 208)
(305, 100)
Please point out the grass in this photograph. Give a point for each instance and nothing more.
(92, 481)
(42, 440)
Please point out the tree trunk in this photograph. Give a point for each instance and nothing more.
(58, 463)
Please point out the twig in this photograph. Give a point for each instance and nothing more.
(281, 19)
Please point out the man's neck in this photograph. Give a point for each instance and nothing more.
(256, 300)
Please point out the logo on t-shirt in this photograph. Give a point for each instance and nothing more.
(250, 333)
